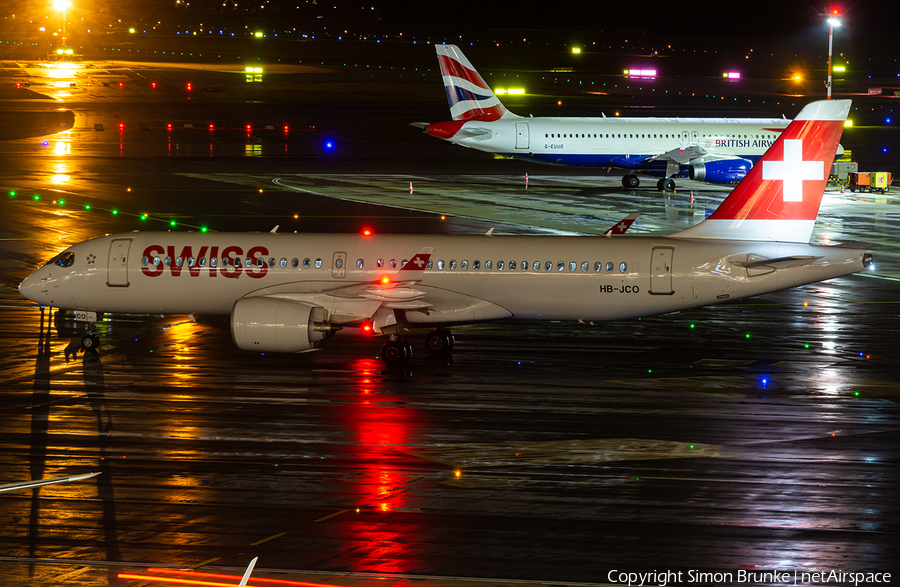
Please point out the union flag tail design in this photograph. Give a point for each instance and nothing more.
(469, 96)
(779, 198)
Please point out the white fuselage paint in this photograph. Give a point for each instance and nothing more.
(619, 142)
(660, 275)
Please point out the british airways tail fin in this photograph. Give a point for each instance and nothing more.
(469, 96)
(779, 198)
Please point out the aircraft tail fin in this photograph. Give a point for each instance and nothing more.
(469, 95)
(779, 198)
(249, 570)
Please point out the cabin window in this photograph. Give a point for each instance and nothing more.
(464, 265)
(202, 261)
(476, 265)
(499, 265)
(545, 135)
(260, 262)
(318, 263)
(403, 263)
(359, 263)
(212, 262)
(271, 261)
(512, 265)
(168, 261)
(225, 261)
(339, 263)
(379, 263)
(191, 261)
(179, 261)
(441, 264)
(598, 267)
(248, 262)
(145, 261)
(548, 266)
(573, 265)
(393, 263)
(283, 263)
(609, 266)
(584, 266)
(430, 264)
(536, 266)
(488, 265)
(623, 267)
(452, 264)
(236, 262)
(524, 265)
(295, 263)
(560, 266)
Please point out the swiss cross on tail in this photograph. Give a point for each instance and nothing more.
(779, 198)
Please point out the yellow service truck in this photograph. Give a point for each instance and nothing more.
(869, 181)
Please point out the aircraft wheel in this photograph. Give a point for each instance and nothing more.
(668, 185)
(439, 341)
(395, 352)
(630, 181)
(90, 342)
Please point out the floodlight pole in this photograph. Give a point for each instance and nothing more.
(830, 37)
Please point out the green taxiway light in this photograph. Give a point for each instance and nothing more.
(806, 346)
(692, 447)
(692, 325)
(747, 335)
(12, 194)
(172, 223)
(203, 229)
(856, 393)
(87, 206)
(62, 202)
(115, 212)
(36, 197)
(143, 217)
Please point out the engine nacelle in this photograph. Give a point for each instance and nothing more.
(724, 171)
(278, 325)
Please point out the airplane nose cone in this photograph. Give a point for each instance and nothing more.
(30, 288)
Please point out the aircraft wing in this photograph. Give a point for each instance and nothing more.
(41, 482)
(683, 154)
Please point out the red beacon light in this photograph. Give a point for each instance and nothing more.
(212, 126)
(249, 127)
(367, 232)
(169, 127)
(153, 85)
(190, 86)
(121, 85)
(385, 280)
(286, 128)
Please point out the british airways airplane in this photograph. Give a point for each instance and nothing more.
(289, 292)
(715, 150)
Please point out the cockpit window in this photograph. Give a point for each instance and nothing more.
(64, 259)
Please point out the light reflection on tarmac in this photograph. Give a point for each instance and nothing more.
(538, 452)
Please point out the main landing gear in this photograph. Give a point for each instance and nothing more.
(666, 185)
(397, 350)
(630, 181)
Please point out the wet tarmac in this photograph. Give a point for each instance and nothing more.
(752, 436)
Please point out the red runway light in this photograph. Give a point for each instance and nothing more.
(366, 232)
(121, 85)
(212, 126)
(153, 85)
(169, 126)
(249, 128)
(189, 86)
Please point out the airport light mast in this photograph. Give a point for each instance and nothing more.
(833, 21)
(63, 6)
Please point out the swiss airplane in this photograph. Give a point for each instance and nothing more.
(289, 292)
(715, 150)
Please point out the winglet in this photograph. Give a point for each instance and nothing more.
(414, 269)
(623, 225)
(249, 570)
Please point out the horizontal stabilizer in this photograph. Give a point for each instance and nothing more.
(779, 262)
(422, 125)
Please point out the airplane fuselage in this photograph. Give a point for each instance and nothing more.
(469, 278)
(612, 142)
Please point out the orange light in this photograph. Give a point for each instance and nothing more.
(385, 280)
(203, 575)
(367, 328)
(367, 232)
(296, 216)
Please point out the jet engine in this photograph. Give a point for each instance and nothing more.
(722, 171)
(278, 325)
